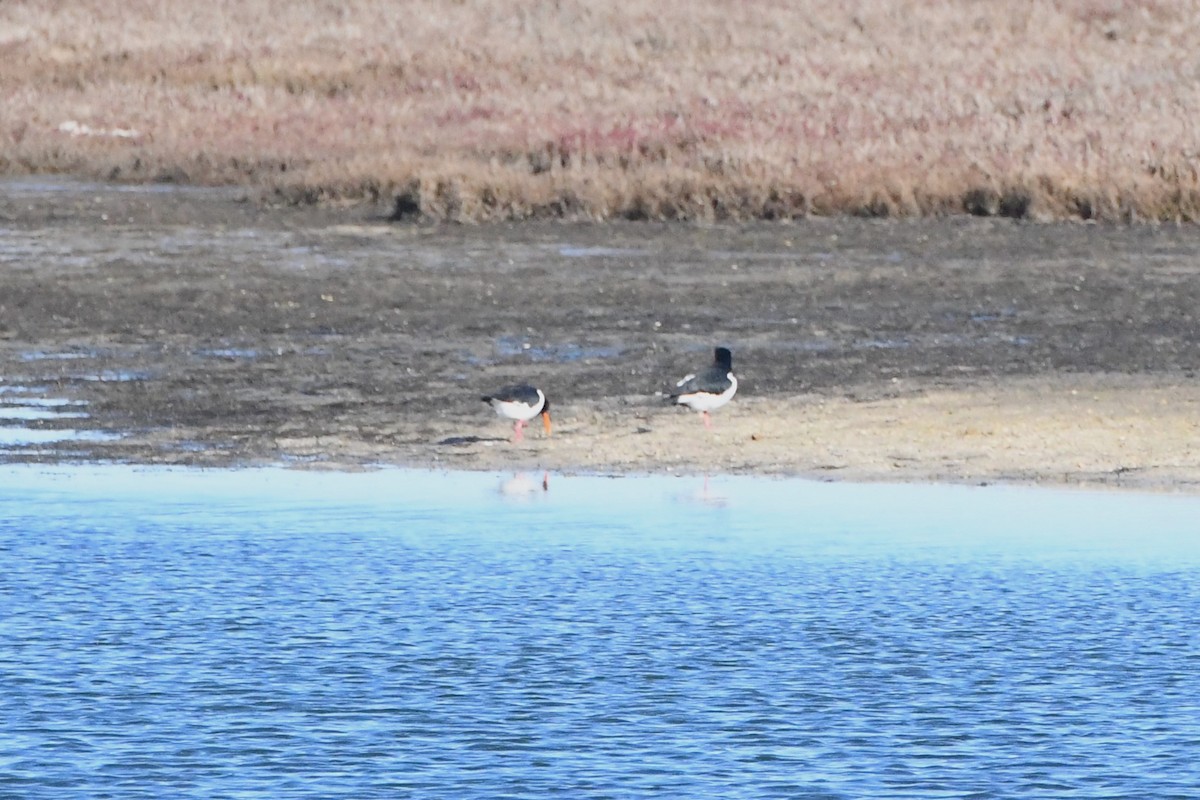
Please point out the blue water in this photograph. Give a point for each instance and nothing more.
(279, 634)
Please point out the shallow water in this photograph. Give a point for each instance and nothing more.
(20, 405)
(274, 633)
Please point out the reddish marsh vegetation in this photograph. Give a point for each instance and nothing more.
(693, 109)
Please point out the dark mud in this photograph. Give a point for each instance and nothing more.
(207, 329)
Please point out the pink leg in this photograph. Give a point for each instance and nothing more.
(707, 420)
(518, 432)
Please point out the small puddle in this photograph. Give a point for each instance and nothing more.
(27, 412)
(11, 438)
(509, 346)
(25, 404)
(39, 355)
(104, 375)
(229, 352)
(571, 251)
(565, 353)
(113, 375)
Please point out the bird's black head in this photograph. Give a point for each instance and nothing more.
(723, 358)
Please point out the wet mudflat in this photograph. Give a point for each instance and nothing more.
(189, 326)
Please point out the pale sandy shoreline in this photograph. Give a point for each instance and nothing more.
(1097, 431)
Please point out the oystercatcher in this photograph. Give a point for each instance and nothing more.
(521, 403)
(710, 389)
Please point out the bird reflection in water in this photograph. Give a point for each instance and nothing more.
(521, 485)
(704, 496)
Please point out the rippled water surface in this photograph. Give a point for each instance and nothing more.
(282, 634)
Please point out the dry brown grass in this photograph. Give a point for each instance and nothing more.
(486, 109)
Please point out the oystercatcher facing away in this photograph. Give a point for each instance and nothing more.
(708, 390)
(521, 403)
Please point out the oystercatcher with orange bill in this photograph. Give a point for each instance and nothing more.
(520, 403)
(710, 389)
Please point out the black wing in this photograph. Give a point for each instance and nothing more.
(713, 380)
(519, 393)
